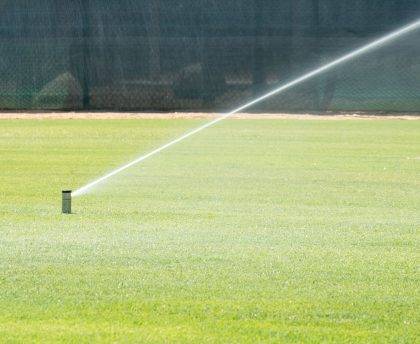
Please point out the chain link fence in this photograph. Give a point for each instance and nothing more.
(204, 55)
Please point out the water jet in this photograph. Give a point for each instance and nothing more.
(376, 44)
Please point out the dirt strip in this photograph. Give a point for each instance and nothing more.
(198, 115)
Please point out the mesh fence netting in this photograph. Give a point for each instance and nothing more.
(207, 55)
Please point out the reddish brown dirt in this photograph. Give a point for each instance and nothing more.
(194, 115)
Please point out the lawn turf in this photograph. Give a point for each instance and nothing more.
(251, 231)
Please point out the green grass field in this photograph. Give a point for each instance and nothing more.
(252, 231)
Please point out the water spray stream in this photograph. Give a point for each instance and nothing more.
(356, 53)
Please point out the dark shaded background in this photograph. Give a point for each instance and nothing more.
(207, 55)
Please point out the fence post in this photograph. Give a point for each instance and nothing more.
(86, 35)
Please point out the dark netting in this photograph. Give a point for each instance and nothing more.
(204, 54)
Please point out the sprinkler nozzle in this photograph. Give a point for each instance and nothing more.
(66, 202)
